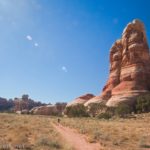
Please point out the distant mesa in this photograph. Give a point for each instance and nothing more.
(25, 105)
(129, 74)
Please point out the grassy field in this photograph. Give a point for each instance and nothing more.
(37, 133)
(29, 133)
(115, 134)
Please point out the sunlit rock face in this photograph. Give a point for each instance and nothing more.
(129, 68)
(81, 100)
(44, 110)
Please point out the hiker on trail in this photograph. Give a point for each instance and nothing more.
(58, 120)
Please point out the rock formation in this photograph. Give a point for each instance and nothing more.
(129, 67)
(129, 74)
(44, 110)
(81, 100)
(56, 109)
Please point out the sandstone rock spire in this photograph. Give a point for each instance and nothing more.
(129, 67)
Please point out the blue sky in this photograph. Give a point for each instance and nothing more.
(56, 50)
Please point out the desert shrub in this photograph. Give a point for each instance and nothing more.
(143, 143)
(46, 142)
(55, 144)
(122, 110)
(43, 141)
(78, 110)
(104, 115)
(143, 103)
(96, 108)
(111, 110)
(102, 111)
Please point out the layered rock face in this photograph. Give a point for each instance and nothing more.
(129, 74)
(129, 67)
(81, 100)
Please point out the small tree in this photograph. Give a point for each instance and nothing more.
(111, 110)
(76, 111)
(96, 108)
(122, 110)
(143, 103)
(60, 107)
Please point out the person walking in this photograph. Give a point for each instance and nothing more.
(58, 120)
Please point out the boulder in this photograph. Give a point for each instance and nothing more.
(44, 110)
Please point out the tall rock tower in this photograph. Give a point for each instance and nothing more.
(129, 68)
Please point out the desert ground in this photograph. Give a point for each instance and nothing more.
(29, 132)
(114, 134)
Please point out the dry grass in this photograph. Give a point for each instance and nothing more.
(28, 133)
(115, 134)
(36, 132)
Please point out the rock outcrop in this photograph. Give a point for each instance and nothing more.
(44, 110)
(129, 67)
(129, 74)
(81, 100)
(56, 109)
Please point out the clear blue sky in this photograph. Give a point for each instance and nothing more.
(56, 50)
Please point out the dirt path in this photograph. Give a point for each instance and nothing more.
(75, 139)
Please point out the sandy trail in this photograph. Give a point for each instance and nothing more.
(75, 139)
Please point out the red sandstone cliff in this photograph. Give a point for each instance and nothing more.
(129, 67)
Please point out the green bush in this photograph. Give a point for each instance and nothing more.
(78, 110)
(122, 110)
(111, 110)
(96, 108)
(143, 103)
(44, 141)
